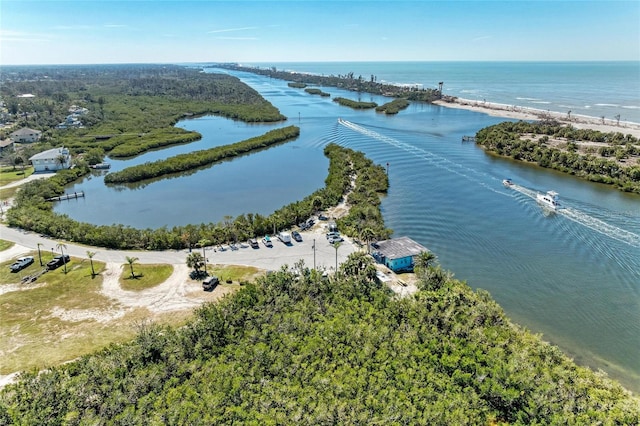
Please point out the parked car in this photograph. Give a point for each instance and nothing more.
(322, 217)
(267, 241)
(253, 243)
(210, 283)
(296, 236)
(58, 261)
(285, 237)
(335, 239)
(21, 263)
(332, 234)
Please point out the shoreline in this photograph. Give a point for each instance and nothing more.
(525, 113)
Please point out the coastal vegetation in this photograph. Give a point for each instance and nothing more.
(193, 160)
(393, 107)
(129, 107)
(297, 85)
(304, 349)
(348, 81)
(611, 158)
(354, 104)
(314, 91)
(32, 212)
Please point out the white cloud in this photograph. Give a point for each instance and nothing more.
(231, 29)
(481, 38)
(236, 38)
(73, 27)
(19, 36)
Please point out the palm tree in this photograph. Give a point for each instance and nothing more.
(203, 243)
(61, 160)
(336, 246)
(40, 254)
(195, 261)
(90, 255)
(131, 261)
(367, 235)
(61, 246)
(424, 260)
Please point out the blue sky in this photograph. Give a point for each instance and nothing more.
(92, 31)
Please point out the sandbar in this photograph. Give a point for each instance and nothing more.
(523, 113)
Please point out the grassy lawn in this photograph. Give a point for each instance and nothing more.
(8, 174)
(145, 276)
(62, 316)
(5, 245)
(235, 273)
(7, 193)
(50, 323)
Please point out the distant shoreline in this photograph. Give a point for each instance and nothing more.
(525, 113)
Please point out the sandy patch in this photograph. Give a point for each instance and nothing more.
(171, 295)
(522, 113)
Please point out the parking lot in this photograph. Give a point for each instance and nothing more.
(272, 258)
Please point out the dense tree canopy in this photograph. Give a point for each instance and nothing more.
(303, 349)
(514, 139)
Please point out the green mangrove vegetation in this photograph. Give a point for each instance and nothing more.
(314, 91)
(611, 158)
(350, 172)
(297, 85)
(303, 349)
(193, 160)
(129, 107)
(354, 104)
(348, 81)
(393, 107)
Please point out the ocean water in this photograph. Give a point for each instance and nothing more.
(585, 88)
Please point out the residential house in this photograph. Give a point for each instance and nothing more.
(6, 145)
(25, 135)
(397, 254)
(51, 160)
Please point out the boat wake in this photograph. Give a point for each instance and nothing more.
(472, 175)
(602, 227)
(434, 159)
(587, 220)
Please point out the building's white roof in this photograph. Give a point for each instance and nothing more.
(25, 131)
(50, 153)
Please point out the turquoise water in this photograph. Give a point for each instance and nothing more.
(573, 276)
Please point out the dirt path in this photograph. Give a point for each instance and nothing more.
(171, 295)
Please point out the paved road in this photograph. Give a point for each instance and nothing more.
(324, 255)
(264, 257)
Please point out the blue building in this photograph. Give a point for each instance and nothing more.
(397, 254)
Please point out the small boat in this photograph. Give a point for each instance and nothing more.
(549, 199)
(101, 166)
(507, 182)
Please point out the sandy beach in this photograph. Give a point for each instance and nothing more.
(523, 113)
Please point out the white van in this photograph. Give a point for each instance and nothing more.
(285, 237)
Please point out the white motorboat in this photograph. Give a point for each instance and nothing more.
(507, 182)
(549, 199)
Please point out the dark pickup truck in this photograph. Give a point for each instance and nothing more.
(58, 261)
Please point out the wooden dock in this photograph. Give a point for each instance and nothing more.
(67, 196)
(468, 139)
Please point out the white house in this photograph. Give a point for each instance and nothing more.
(51, 160)
(25, 135)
